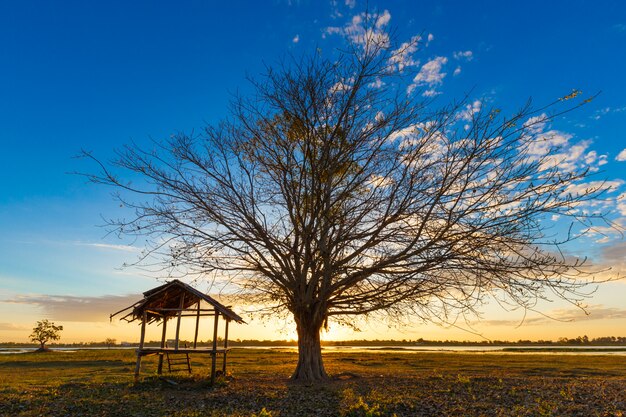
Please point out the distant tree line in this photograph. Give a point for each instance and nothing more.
(562, 341)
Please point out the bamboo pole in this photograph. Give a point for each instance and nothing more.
(180, 311)
(195, 337)
(163, 335)
(214, 353)
(144, 318)
(225, 347)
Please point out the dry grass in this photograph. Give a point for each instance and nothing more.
(99, 383)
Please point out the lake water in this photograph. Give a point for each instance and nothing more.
(547, 349)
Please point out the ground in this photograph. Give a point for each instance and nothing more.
(100, 383)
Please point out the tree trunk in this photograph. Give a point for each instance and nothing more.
(310, 365)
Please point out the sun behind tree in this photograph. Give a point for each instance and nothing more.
(44, 332)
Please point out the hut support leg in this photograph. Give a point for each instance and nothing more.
(137, 366)
(225, 348)
(180, 312)
(214, 354)
(163, 336)
(140, 349)
(195, 337)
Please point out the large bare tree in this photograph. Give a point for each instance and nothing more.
(335, 191)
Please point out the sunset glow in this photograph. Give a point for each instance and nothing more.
(96, 77)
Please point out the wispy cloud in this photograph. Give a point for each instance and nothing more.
(621, 157)
(403, 56)
(598, 114)
(296, 39)
(108, 246)
(75, 308)
(619, 28)
(470, 110)
(463, 55)
(364, 29)
(563, 152)
(13, 327)
(595, 312)
(612, 256)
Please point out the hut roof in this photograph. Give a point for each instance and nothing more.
(168, 296)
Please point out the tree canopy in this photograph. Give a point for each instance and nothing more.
(44, 332)
(336, 190)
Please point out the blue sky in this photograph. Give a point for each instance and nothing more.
(85, 75)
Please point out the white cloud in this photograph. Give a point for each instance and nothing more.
(621, 157)
(582, 188)
(296, 39)
(621, 204)
(557, 148)
(403, 56)
(431, 37)
(464, 55)
(431, 93)
(536, 124)
(351, 3)
(356, 30)
(591, 157)
(377, 83)
(430, 74)
(470, 110)
(383, 19)
(405, 133)
(570, 158)
(343, 85)
(457, 71)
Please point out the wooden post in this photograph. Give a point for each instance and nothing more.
(180, 311)
(214, 353)
(163, 336)
(225, 347)
(195, 337)
(144, 319)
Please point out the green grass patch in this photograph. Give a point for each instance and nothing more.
(100, 383)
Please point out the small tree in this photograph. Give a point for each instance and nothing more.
(110, 342)
(45, 331)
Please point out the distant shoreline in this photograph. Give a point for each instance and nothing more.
(506, 349)
(578, 342)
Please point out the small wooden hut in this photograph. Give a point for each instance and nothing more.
(175, 300)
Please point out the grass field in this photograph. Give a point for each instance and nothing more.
(100, 383)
